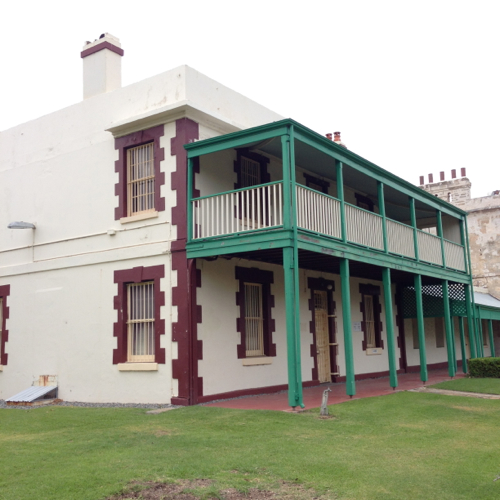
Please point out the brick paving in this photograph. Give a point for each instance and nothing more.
(312, 395)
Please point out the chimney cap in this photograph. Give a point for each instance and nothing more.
(105, 41)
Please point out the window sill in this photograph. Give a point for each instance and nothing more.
(374, 351)
(264, 360)
(140, 216)
(138, 367)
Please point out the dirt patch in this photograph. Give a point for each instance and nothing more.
(203, 489)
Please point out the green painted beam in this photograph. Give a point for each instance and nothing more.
(389, 321)
(237, 244)
(463, 349)
(347, 324)
(417, 279)
(336, 248)
(492, 341)
(236, 139)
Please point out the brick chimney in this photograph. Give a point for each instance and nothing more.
(102, 65)
(337, 140)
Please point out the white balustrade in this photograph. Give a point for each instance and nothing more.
(363, 227)
(400, 238)
(454, 255)
(429, 248)
(317, 212)
(250, 209)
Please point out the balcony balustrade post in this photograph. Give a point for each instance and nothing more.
(287, 199)
(470, 321)
(340, 196)
(440, 234)
(492, 341)
(413, 216)
(381, 206)
(417, 280)
(447, 326)
(190, 182)
(463, 350)
(465, 242)
(389, 320)
(346, 320)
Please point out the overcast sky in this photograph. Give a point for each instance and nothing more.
(412, 85)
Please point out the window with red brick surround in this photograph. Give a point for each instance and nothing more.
(4, 314)
(371, 324)
(124, 278)
(254, 276)
(123, 144)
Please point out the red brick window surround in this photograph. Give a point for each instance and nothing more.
(4, 315)
(371, 324)
(255, 301)
(147, 172)
(124, 279)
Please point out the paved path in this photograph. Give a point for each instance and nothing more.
(312, 395)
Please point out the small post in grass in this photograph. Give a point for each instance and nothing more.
(324, 403)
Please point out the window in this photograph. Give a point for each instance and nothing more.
(139, 175)
(139, 327)
(254, 320)
(439, 330)
(484, 328)
(414, 328)
(371, 325)
(140, 322)
(255, 323)
(317, 184)
(364, 202)
(4, 314)
(250, 172)
(251, 169)
(140, 179)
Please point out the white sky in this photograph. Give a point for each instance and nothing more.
(412, 85)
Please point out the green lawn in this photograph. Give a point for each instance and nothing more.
(401, 446)
(482, 385)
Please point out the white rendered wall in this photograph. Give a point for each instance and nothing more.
(61, 323)
(221, 369)
(433, 354)
(59, 172)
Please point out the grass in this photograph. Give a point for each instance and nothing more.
(481, 385)
(401, 446)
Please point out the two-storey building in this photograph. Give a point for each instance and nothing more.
(181, 243)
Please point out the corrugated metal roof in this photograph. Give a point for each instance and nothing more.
(485, 299)
(31, 394)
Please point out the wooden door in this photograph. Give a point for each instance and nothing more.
(322, 336)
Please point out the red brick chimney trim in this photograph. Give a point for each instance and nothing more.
(101, 46)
